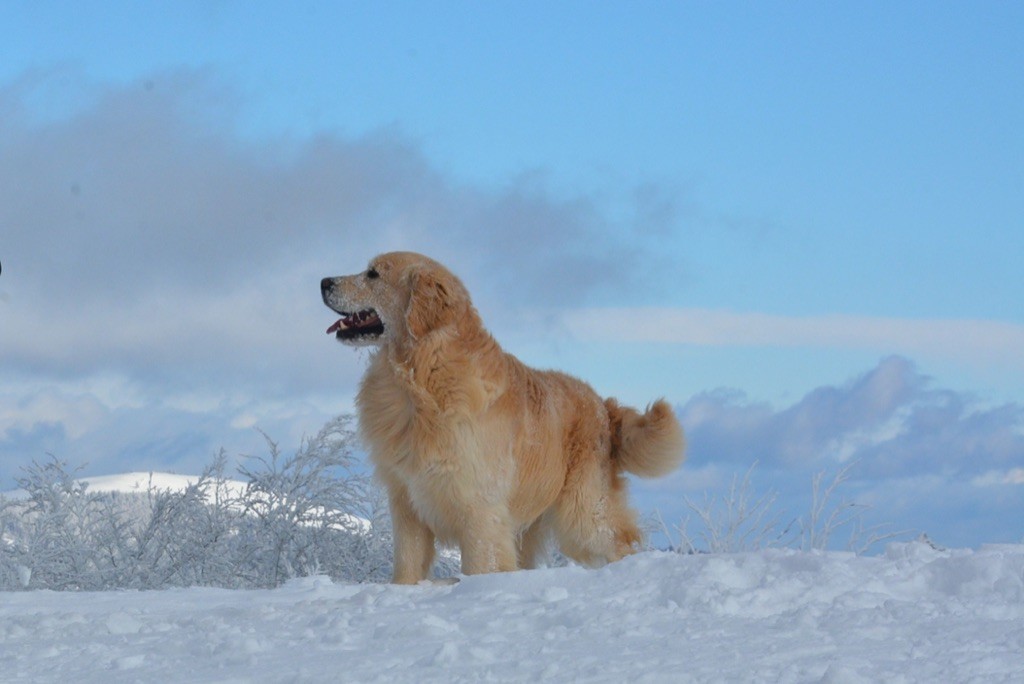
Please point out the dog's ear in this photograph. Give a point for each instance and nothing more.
(434, 301)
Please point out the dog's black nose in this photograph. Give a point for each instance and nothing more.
(325, 285)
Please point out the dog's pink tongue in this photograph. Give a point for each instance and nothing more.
(336, 327)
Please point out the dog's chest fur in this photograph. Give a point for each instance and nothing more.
(426, 433)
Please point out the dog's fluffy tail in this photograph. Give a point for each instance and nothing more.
(649, 444)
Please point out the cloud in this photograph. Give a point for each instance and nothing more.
(76, 415)
(159, 297)
(972, 341)
(1013, 476)
(148, 186)
(924, 458)
(142, 234)
(160, 285)
(889, 419)
(107, 435)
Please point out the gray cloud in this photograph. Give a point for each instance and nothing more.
(160, 286)
(890, 420)
(142, 234)
(144, 239)
(924, 459)
(107, 434)
(140, 190)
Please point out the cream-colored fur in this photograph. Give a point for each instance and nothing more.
(477, 449)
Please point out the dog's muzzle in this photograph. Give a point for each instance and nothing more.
(363, 325)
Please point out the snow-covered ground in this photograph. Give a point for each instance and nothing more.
(914, 614)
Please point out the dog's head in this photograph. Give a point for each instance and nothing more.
(401, 296)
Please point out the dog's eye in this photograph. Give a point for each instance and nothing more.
(372, 273)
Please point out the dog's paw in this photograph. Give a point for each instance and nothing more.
(440, 581)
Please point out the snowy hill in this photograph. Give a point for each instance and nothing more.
(913, 615)
(141, 482)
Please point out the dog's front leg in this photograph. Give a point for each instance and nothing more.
(413, 540)
(531, 544)
(487, 545)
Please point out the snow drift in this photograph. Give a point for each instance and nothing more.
(914, 614)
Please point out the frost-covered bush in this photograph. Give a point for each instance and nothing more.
(310, 513)
(51, 538)
(741, 520)
(295, 515)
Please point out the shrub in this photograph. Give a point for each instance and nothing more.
(741, 520)
(308, 513)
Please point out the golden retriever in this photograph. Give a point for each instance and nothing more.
(474, 447)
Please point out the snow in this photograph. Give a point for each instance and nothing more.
(914, 614)
(141, 482)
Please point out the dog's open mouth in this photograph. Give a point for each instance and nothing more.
(362, 324)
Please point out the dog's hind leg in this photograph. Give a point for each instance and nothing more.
(593, 523)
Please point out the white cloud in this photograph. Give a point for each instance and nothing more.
(974, 341)
(77, 414)
(1013, 476)
(890, 420)
(924, 458)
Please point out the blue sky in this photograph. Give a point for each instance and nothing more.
(801, 223)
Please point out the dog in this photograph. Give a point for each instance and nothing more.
(475, 448)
